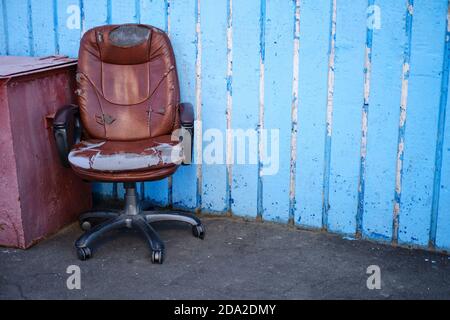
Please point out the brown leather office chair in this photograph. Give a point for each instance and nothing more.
(129, 126)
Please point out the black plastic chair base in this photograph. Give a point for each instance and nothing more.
(98, 223)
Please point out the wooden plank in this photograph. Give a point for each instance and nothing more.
(245, 94)
(183, 36)
(214, 83)
(17, 20)
(277, 108)
(43, 40)
(312, 88)
(69, 27)
(422, 121)
(346, 128)
(389, 41)
(3, 29)
(441, 236)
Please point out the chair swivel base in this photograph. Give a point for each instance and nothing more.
(97, 223)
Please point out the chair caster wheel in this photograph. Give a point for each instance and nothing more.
(199, 231)
(157, 257)
(85, 225)
(84, 253)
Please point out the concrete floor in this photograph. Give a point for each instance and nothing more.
(238, 260)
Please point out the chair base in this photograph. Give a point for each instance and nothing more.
(97, 223)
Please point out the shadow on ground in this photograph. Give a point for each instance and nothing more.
(238, 260)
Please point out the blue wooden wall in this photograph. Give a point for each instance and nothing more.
(358, 90)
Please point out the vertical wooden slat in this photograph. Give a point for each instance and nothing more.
(137, 8)
(82, 18)
(17, 20)
(183, 36)
(312, 93)
(43, 27)
(198, 105)
(214, 70)
(246, 15)
(69, 27)
(294, 111)
(30, 28)
(229, 110)
(3, 29)
(422, 121)
(442, 186)
(402, 118)
(385, 93)
(364, 120)
(55, 26)
(277, 112)
(346, 134)
(108, 11)
(262, 58)
(443, 104)
(329, 115)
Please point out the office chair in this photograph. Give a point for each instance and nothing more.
(129, 126)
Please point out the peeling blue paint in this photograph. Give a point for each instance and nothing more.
(55, 26)
(402, 126)
(330, 97)
(262, 48)
(109, 12)
(441, 133)
(422, 128)
(365, 123)
(30, 28)
(137, 9)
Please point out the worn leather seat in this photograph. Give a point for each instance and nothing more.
(149, 158)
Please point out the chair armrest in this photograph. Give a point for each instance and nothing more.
(186, 115)
(67, 131)
(187, 131)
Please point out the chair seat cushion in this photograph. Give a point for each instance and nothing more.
(126, 156)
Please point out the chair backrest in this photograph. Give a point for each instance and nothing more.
(127, 83)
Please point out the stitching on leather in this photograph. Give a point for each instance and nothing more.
(98, 99)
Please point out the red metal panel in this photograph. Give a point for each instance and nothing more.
(11, 66)
(11, 230)
(49, 195)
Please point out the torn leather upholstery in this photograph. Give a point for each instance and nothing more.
(128, 157)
